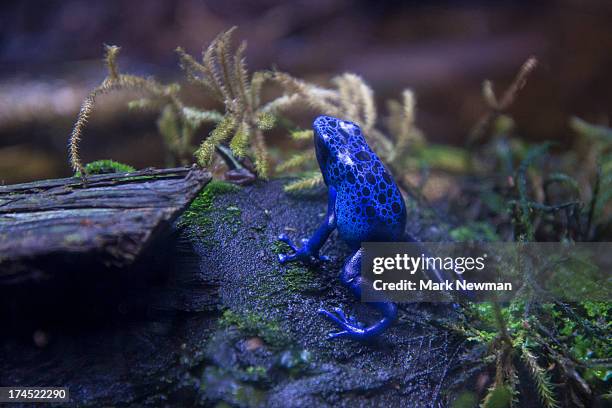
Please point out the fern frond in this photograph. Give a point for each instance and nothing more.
(261, 154)
(77, 131)
(110, 59)
(305, 183)
(215, 60)
(240, 140)
(400, 123)
(195, 117)
(223, 60)
(297, 161)
(127, 81)
(222, 132)
(541, 379)
(114, 81)
(210, 70)
(197, 73)
(408, 105)
(356, 99)
(265, 121)
(168, 127)
(225, 73)
(241, 77)
(257, 80)
(369, 108)
(282, 103)
(348, 97)
(408, 133)
(320, 99)
(144, 104)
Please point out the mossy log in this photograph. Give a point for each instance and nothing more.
(109, 218)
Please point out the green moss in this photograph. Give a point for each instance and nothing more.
(298, 278)
(466, 400)
(256, 373)
(106, 167)
(254, 324)
(475, 231)
(232, 218)
(279, 247)
(199, 212)
(267, 284)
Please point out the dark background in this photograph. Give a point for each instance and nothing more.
(50, 57)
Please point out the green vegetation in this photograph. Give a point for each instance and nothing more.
(556, 342)
(105, 167)
(505, 192)
(232, 217)
(349, 98)
(298, 278)
(280, 247)
(199, 212)
(253, 324)
(564, 347)
(222, 74)
(473, 232)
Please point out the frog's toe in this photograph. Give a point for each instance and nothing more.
(285, 238)
(349, 325)
(333, 335)
(337, 316)
(340, 314)
(356, 323)
(282, 258)
(349, 320)
(331, 316)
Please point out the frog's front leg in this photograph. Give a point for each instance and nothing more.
(310, 247)
(350, 327)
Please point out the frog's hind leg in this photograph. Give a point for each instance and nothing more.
(351, 277)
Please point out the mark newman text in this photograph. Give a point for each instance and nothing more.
(447, 285)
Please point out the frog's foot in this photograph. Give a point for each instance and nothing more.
(350, 326)
(304, 254)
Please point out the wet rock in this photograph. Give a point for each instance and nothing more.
(226, 323)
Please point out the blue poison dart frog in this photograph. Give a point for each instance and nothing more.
(364, 204)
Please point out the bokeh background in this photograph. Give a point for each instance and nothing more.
(50, 57)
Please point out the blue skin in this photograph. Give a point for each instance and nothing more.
(364, 204)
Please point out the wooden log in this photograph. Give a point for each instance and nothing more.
(110, 218)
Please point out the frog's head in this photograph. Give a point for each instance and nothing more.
(334, 139)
